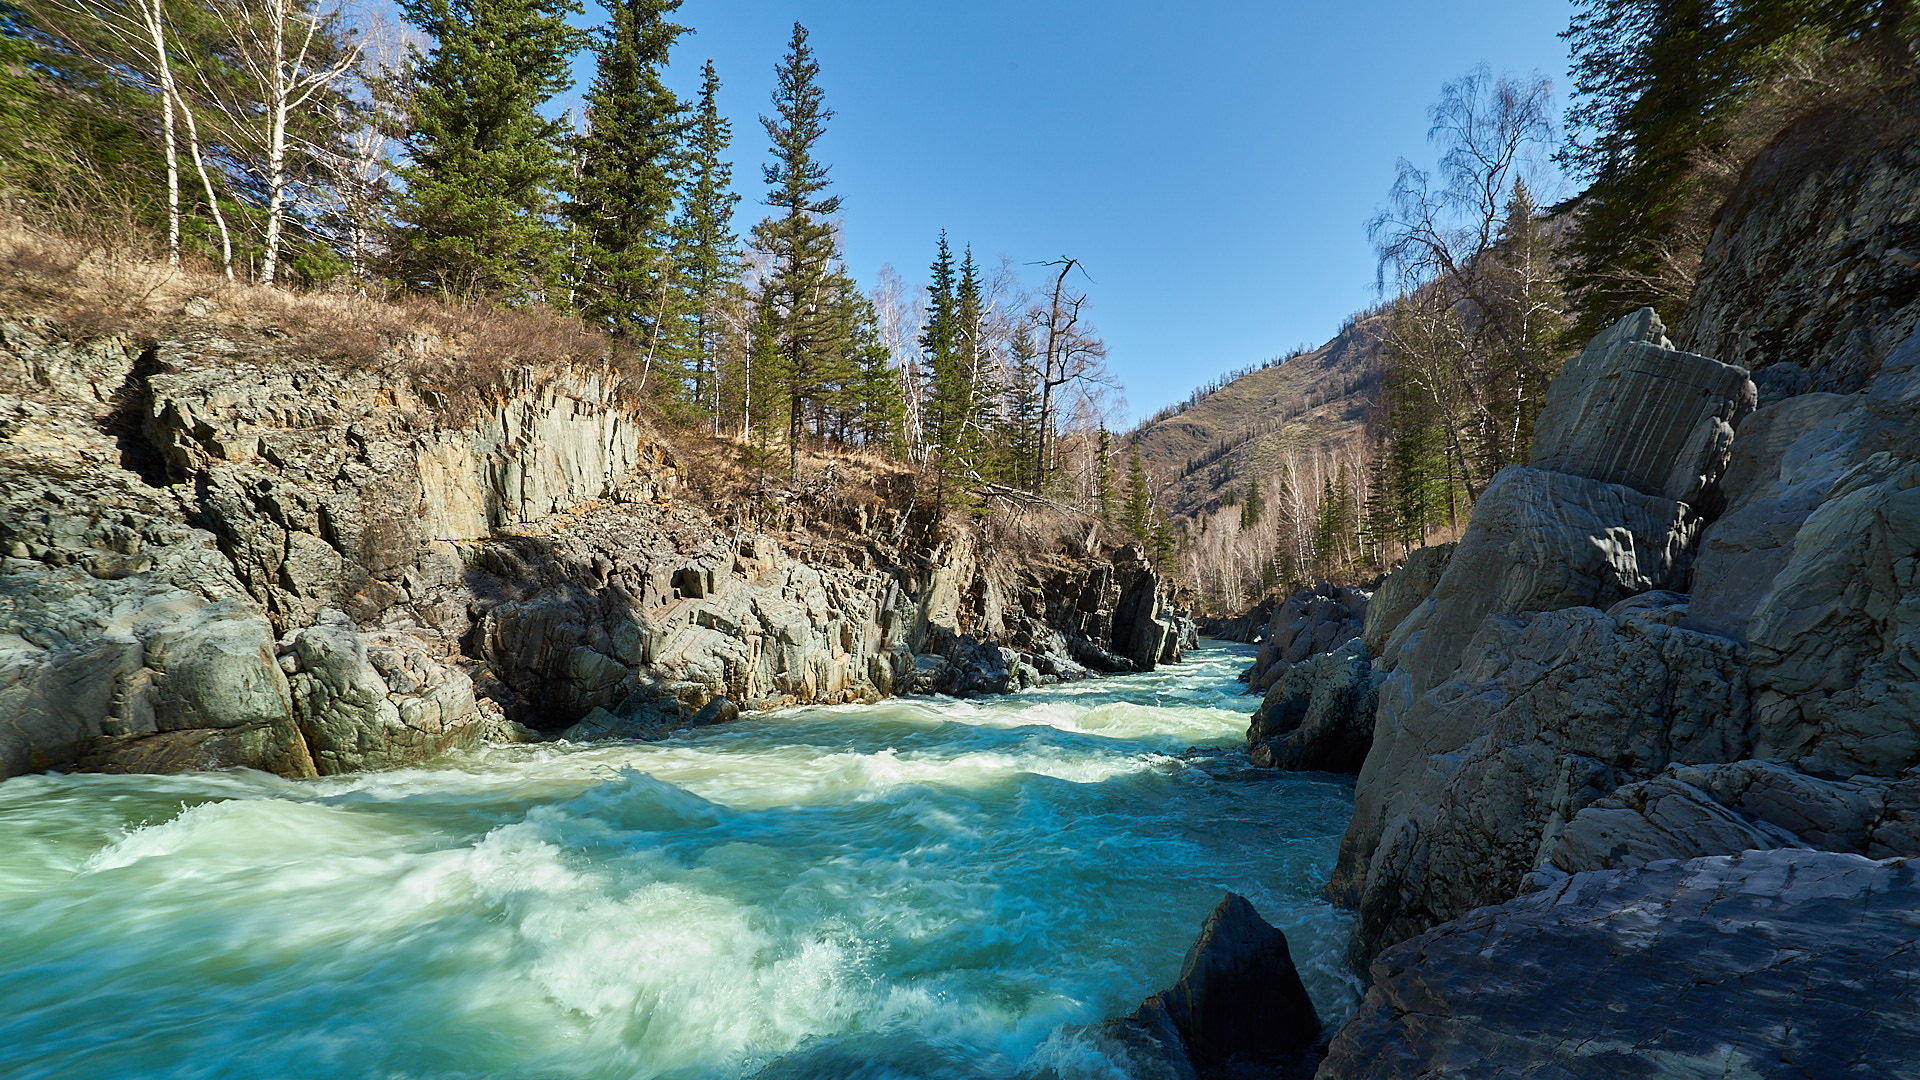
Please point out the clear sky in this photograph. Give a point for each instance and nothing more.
(1212, 164)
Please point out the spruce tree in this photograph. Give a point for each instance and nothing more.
(476, 219)
(948, 398)
(627, 175)
(1103, 494)
(1139, 505)
(709, 251)
(799, 239)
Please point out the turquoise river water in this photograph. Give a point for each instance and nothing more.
(918, 888)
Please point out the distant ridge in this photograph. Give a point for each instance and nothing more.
(1314, 405)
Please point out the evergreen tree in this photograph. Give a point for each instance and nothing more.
(799, 239)
(476, 219)
(1253, 507)
(1103, 476)
(627, 173)
(948, 402)
(1019, 443)
(1139, 504)
(709, 251)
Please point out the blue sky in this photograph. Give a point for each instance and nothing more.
(1212, 164)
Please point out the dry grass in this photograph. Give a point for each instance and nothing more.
(89, 287)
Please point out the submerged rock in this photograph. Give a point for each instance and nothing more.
(1767, 964)
(1237, 1010)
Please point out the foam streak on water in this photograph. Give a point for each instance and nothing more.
(919, 888)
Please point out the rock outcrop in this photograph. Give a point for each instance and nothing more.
(1400, 591)
(1812, 275)
(215, 555)
(1319, 716)
(1308, 623)
(1514, 704)
(1237, 1010)
(1765, 964)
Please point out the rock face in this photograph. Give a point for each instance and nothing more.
(1237, 1010)
(1690, 811)
(1523, 733)
(1401, 591)
(1768, 964)
(1319, 716)
(1469, 782)
(216, 556)
(1812, 275)
(1539, 541)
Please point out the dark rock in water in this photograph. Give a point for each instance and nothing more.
(1308, 623)
(1238, 1009)
(1319, 716)
(1782, 964)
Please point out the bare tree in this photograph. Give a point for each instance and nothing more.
(1456, 332)
(131, 38)
(1070, 353)
(289, 53)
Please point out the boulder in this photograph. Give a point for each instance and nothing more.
(1633, 411)
(1765, 964)
(1541, 541)
(1237, 1009)
(1402, 590)
(1308, 623)
(1319, 716)
(372, 702)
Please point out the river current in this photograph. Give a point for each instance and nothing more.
(918, 888)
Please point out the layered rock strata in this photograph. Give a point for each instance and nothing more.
(217, 556)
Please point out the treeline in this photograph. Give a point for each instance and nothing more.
(285, 145)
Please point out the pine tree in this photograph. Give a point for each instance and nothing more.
(1139, 504)
(476, 219)
(1019, 443)
(627, 175)
(799, 240)
(709, 251)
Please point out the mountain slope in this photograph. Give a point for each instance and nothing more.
(1312, 405)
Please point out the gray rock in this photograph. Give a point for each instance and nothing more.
(1769, 964)
(1785, 460)
(1631, 410)
(1308, 623)
(1319, 715)
(1468, 785)
(1238, 1008)
(1402, 590)
(1540, 541)
(1694, 810)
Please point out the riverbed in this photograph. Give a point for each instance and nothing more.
(918, 888)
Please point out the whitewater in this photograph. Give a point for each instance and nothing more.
(918, 888)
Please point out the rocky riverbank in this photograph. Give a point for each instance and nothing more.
(217, 553)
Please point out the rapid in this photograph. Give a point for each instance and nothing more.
(919, 888)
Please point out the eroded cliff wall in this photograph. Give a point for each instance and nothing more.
(218, 554)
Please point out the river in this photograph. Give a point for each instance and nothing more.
(918, 888)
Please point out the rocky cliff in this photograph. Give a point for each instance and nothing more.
(217, 552)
